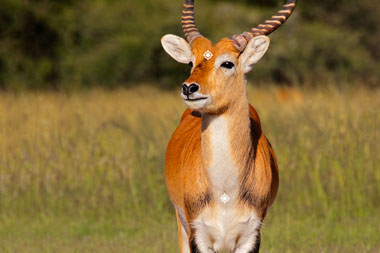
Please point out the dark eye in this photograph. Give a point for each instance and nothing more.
(227, 65)
(190, 64)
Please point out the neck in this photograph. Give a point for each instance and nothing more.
(226, 137)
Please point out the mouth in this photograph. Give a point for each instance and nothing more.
(195, 99)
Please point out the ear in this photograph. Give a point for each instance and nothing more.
(177, 48)
(255, 49)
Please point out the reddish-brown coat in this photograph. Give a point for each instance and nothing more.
(186, 177)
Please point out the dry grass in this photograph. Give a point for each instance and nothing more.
(84, 172)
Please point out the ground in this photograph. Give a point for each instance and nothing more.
(84, 172)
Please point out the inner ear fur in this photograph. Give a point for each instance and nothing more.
(253, 52)
(177, 48)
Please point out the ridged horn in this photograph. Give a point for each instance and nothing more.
(188, 21)
(269, 26)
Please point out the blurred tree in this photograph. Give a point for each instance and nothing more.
(31, 43)
(63, 44)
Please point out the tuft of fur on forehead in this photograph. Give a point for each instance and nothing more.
(202, 44)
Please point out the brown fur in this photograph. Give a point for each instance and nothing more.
(189, 152)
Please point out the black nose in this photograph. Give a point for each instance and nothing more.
(188, 90)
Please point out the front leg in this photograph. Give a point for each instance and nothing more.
(196, 248)
(251, 245)
(193, 246)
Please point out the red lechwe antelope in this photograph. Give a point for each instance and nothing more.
(221, 171)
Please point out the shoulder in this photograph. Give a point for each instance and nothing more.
(188, 130)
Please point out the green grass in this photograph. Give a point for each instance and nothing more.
(85, 172)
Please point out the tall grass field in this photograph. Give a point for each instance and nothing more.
(84, 172)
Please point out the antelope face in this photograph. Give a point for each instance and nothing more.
(217, 75)
(217, 71)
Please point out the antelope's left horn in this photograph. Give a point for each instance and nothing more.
(269, 26)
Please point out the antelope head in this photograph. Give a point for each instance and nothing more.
(217, 71)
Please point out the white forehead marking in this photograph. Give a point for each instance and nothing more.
(224, 198)
(207, 55)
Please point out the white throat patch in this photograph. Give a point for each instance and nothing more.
(222, 171)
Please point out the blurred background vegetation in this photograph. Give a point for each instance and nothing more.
(67, 44)
(83, 171)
